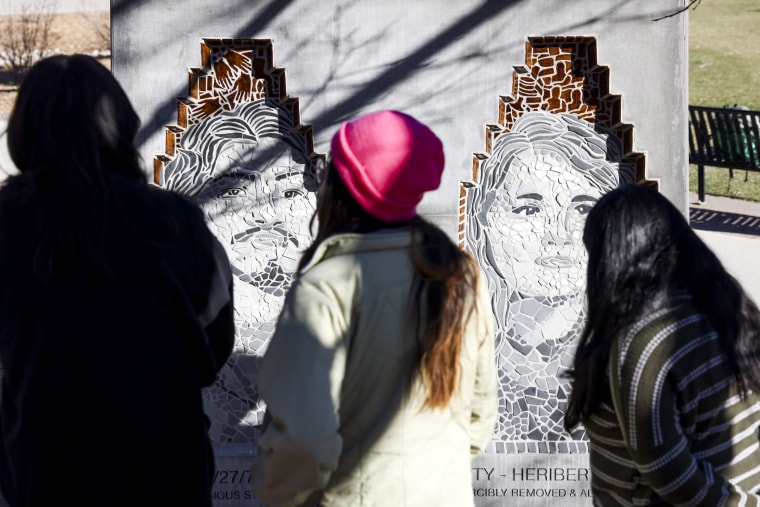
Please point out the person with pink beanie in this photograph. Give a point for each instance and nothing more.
(380, 379)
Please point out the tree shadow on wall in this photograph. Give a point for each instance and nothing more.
(166, 112)
(417, 59)
(387, 77)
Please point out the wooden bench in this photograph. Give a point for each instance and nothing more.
(723, 137)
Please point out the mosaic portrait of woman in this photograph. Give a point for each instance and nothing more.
(524, 222)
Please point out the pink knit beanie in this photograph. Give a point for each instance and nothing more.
(387, 160)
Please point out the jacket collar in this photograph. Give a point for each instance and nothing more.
(385, 239)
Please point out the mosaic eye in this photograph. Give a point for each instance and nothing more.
(526, 210)
(230, 193)
(582, 209)
(292, 194)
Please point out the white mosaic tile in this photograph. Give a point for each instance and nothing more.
(247, 169)
(524, 221)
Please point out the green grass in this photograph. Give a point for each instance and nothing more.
(724, 53)
(744, 185)
(724, 69)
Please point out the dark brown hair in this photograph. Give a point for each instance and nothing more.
(71, 131)
(642, 252)
(445, 284)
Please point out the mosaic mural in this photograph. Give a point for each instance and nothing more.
(240, 151)
(559, 145)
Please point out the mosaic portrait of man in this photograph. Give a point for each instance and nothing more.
(249, 171)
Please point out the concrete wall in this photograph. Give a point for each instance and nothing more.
(444, 62)
(448, 64)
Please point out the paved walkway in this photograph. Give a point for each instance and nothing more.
(731, 228)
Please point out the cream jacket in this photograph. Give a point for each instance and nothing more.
(343, 429)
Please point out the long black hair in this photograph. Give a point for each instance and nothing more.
(446, 283)
(642, 251)
(71, 129)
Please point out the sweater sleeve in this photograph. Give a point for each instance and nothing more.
(300, 379)
(485, 399)
(649, 393)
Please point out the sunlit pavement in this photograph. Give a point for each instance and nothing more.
(731, 228)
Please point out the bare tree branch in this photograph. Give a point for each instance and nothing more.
(101, 27)
(695, 3)
(26, 36)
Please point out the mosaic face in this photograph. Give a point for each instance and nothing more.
(524, 223)
(536, 224)
(251, 184)
(259, 214)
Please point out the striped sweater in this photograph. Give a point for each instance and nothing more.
(673, 430)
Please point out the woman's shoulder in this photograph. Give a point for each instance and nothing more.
(156, 202)
(666, 313)
(349, 247)
(159, 217)
(672, 324)
(349, 263)
(15, 190)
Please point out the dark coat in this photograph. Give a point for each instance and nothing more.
(102, 370)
